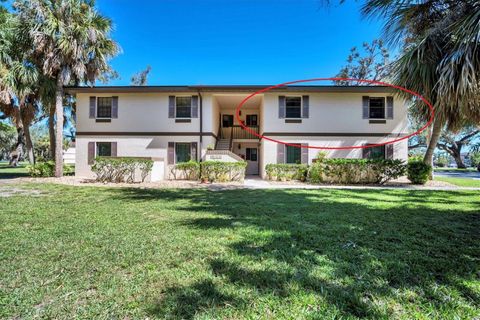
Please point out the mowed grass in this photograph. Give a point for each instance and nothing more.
(461, 182)
(85, 252)
(8, 172)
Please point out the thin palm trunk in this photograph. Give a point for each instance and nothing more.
(51, 130)
(434, 138)
(59, 128)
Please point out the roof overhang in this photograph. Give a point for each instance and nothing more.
(228, 88)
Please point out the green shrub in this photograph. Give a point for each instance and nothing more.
(219, 171)
(47, 169)
(286, 172)
(355, 171)
(118, 169)
(418, 172)
(186, 170)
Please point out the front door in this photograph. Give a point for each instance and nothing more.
(252, 160)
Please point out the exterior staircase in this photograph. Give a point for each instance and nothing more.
(223, 144)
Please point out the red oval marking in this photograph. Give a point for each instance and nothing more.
(337, 79)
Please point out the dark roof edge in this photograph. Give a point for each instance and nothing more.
(226, 88)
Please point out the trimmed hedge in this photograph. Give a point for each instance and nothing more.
(186, 171)
(418, 172)
(286, 172)
(121, 169)
(355, 171)
(212, 171)
(220, 171)
(47, 169)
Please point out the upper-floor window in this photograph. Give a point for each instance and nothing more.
(104, 107)
(252, 120)
(293, 107)
(183, 107)
(376, 108)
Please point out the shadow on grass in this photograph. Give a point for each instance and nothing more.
(7, 172)
(352, 248)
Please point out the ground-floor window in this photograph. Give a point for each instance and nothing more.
(293, 154)
(182, 152)
(251, 154)
(374, 152)
(104, 149)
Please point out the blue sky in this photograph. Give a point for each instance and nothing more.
(234, 41)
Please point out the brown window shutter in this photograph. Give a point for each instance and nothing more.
(171, 153)
(114, 107)
(365, 107)
(389, 107)
(91, 152)
(389, 151)
(193, 151)
(280, 153)
(305, 153)
(93, 107)
(114, 149)
(305, 107)
(194, 106)
(281, 107)
(171, 106)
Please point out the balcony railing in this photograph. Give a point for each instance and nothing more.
(238, 132)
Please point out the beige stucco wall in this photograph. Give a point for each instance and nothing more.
(333, 112)
(139, 112)
(148, 112)
(132, 146)
(269, 148)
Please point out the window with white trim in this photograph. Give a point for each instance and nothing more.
(104, 149)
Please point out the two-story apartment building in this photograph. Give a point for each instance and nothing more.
(173, 124)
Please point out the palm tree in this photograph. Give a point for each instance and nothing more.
(18, 82)
(71, 44)
(441, 58)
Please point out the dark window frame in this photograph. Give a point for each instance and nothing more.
(297, 112)
(189, 144)
(98, 148)
(249, 154)
(104, 110)
(230, 117)
(370, 151)
(184, 114)
(298, 152)
(250, 117)
(381, 111)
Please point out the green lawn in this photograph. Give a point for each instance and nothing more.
(455, 169)
(7, 172)
(461, 182)
(85, 253)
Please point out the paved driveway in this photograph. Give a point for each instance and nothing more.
(459, 174)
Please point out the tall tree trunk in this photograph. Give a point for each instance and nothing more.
(17, 154)
(51, 130)
(29, 144)
(457, 156)
(59, 128)
(432, 143)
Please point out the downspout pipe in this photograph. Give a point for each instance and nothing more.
(201, 122)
